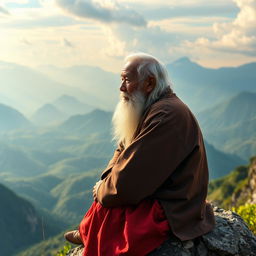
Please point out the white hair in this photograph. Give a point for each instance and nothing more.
(126, 117)
(150, 66)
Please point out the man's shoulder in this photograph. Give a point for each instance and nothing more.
(169, 106)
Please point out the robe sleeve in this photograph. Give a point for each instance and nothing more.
(144, 165)
(112, 162)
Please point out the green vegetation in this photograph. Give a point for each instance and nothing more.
(22, 225)
(220, 190)
(49, 247)
(67, 198)
(64, 250)
(234, 192)
(248, 213)
(13, 157)
(76, 165)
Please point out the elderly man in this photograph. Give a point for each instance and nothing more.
(156, 183)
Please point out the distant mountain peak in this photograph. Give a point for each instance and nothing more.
(48, 114)
(71, 105)
(66, 99)
(48, 107)
(11, 119)
(245, 95)
(244, 100)
(185, 62)
(98, 111)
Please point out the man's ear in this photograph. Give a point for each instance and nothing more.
(151, 84)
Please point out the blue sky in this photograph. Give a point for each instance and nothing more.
(101, 32)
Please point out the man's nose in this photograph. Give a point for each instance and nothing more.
(122, 87)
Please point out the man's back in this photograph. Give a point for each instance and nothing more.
(183, 194)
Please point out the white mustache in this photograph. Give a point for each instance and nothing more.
(124, 96)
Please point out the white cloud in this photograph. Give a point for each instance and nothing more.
(25, 41)
(171, 3)
(152, 39)
(104, 33)
(238, 36)
(194, 27)
(103, 11)
(174, 3)
(48, 15)
(15, 1)
(67, 43)
(16, 4)
(4, 11)
(115, 48)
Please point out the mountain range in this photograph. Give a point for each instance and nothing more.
(74, 143)
(202, 88)
(56, 167)
(48, 114)
(94, 81)
(231, 125)
(198, 86)
(59, 110)
(21, 225)
(12, 119)
(27, 89)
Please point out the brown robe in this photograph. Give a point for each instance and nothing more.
(166, 161)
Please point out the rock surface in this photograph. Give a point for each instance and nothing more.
(230, 237)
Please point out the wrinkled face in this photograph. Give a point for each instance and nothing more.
(132, 83)
(129, 80)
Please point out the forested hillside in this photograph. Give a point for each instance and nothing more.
(21, 224)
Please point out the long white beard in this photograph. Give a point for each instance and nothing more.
(127, 116)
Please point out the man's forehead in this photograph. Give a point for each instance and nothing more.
(126, 73)
(130, 68)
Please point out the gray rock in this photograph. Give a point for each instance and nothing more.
(230, 237)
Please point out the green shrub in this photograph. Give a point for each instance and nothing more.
(64, 250)
(248, 213)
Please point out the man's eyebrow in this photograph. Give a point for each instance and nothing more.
(125, 74)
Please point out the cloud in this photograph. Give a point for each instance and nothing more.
(196, 9)
(103, 11)
(238, 36)
(33, 22)
(167, 38)
(25, 41)
(67, 43)
(192, 27)
(14, 1)
(172, 3)
(21, 3)
(4, 11)
(122, 40)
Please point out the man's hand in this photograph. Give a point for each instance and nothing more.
(95, 189)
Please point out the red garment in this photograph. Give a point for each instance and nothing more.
(131, 231)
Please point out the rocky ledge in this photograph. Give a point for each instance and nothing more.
(230, 237)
